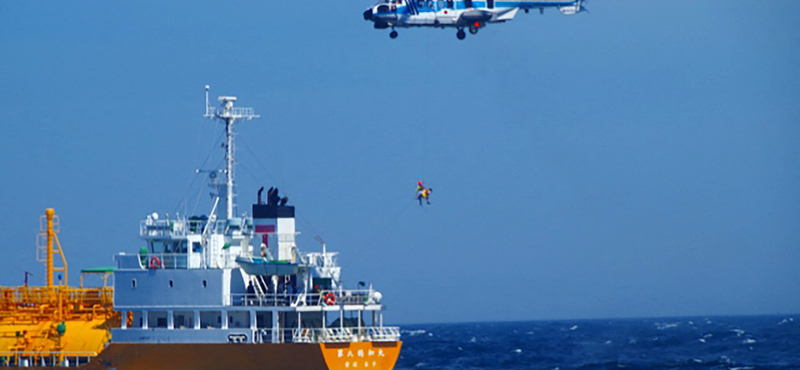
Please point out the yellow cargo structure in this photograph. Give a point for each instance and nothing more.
(53, 325)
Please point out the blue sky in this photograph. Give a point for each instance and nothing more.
(641, 160)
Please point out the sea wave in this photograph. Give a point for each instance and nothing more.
(731, 343)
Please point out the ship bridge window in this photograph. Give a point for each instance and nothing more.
(133, 283)
(170, 284)
(184, 319)
(156, 247)
(210, 319)
(205, 283)
(239, 319)
(168, 246)
(157, 319)
(137, 319)
(263, 319)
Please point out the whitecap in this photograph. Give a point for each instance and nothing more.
(421, 364)
(608, 342)
(697, 360)
(749, 341)
(701, 340)
(430, 334)
(415, 332)
(575, 327)
(473, 340)
(709, 335)
(460, 349)
(662, 326)
(743, 368)
(517, 350)
(738, 332)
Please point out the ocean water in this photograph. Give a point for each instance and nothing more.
(732, 343)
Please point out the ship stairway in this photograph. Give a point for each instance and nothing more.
(259, 286)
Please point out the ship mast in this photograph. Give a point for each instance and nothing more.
(228, 114)
(45, 249)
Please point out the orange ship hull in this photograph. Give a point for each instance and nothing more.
(287, 356)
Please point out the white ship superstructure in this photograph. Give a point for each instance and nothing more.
(228, 278)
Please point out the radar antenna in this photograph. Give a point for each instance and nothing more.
(228, 114)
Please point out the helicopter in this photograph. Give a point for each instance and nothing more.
(460, 14)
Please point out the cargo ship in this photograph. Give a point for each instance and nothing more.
(223, 291)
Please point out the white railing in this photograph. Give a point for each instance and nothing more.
(383, 333)
(160, 228)
(242, 112)
(327, 335)
(173, 261)
(53, 359)
(350, 297)
(182, 227)
(272, 300)
(322, 259)
(323, 298)
(346, 334)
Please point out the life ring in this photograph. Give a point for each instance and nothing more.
(330, 299)
(155, 262)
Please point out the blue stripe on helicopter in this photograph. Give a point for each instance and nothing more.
(422, 6)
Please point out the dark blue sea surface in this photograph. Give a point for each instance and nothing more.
(732, 343)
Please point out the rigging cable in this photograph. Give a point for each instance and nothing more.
(303, 221)
(184, 200)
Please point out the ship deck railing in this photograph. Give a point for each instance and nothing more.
(19, 302)
(172, 261)
(329, 335)
(348, 334)
(182, 227)
(49, 359)
(324, 298)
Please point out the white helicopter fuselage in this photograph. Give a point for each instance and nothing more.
(471, 14)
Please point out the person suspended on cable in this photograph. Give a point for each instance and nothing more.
(423, 193)
(426, 194)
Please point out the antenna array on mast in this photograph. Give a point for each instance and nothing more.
(227, 111)
(228, 114)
